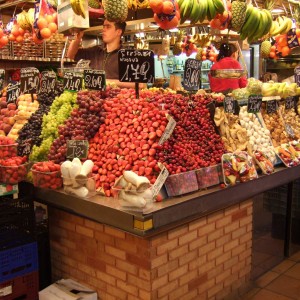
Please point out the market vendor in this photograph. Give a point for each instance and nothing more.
(103, 58)
(227, 59)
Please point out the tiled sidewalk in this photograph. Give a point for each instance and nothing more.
(281, 283)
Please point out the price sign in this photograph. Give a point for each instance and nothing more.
(289, 130)
(30, 80)
(230, 105)
(254, 104)
(168, 131)
(136, 65)
(297, 75)
(77, 148)
(2, 73)
(272, 106)
(73, 81)
(94, 80)
(291, 102)
(12, 92)
(159, 182)
(83, 63)
(25, 147)
(191, 75)
(292, 38)
(48, 82)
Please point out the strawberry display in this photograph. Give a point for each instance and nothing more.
(46, 174)
(8, 147)
(13, 169)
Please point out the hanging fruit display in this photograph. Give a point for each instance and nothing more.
(115, 11)
(166, 13)
(137, 4)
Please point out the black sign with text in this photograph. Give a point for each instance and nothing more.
(191, 75)
(94, 80)
(291, 102)
(73, 81)
(272, 106)
(254, 104)
(297, 75)
(77, 148)
(292, 39)
(2, 76)
(230, 105)
(136, 65)
(48, 82)
(30, 80)
(12, 92)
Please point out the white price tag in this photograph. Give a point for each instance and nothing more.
(159, 182)
(168, 131)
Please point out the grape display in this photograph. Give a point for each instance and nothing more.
(60, 110)
(82, 124)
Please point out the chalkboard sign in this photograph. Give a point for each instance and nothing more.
(30, 79)
(191, 75)
(73, 81)
(292, 38)
(136, 65)
(77, 148)
(289, 130)
(297, 75)
(291, 102)
(230, 105)
(12, 91)
(2, 73)
(254, 104)
(94, 80)
(48, 82)
(272, 106)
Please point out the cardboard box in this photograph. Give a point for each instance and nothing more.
(67, 289)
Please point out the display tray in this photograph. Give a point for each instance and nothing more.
(228, 73)
(169, 212)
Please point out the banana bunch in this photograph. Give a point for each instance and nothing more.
(78, 7)
(199, 10)
(257, 23)
(137, 4)
(201, 40)
(281, 25)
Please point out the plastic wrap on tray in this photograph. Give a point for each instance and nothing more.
(288, 155)
(264, 162)
(181, 183)
(208, 176)
(238, 167)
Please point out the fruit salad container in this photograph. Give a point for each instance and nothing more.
(238, 167)
(264, 162)
(288, 155)
(47, 180)
(80, 187)
(209, 176)
(14, 174)
(181, 183)
(7, 151)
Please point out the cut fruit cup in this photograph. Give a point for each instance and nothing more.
(7, 151)
(14, 174)
(264, 162)
(81, 187)
(47, 180)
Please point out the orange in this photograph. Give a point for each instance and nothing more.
(21, 31)
(42, 23)
(298, 32)
(15, 30)
(282, 41)
(168, 8)
(1, 33)
(156, 6)
(45, 33)
(19, 39)
(203, 57)
(272, 54)
(12, 37)
(49, 18)
(36, 40)
(3, 40)
(53, 27)
(285, 51)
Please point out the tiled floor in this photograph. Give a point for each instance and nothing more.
(281, 283)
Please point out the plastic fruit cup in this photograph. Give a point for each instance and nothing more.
(7, 151)
(14, 174)
(47, 180)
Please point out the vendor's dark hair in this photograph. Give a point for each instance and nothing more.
(121, 25)
(226, 50)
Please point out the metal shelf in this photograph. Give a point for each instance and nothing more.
(10, 4)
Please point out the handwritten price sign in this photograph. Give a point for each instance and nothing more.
(254, 104)
(168, 131)
(73, 81)
(48, 82)
(77, 148)
(12, 92)
(136, 65)
(191, 75)
(272, 106)
(94, 80)
(30, 80)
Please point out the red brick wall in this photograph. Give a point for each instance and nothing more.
(208, 258)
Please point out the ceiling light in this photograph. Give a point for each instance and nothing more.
(277, 11)
(153, 25)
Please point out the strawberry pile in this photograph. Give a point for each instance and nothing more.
(13, 169)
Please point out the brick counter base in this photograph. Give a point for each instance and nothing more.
(209, 258)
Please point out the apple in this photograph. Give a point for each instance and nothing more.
(12, 106)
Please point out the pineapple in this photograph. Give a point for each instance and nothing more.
(94, 3)
(199, 54)
(265, 48)
(238, 10)
(115, 11)
(177, 49)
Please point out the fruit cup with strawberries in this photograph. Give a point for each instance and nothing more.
(13, 169)
(46, 174)
(8, 147)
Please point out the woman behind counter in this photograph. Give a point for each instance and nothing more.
(227, 59)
